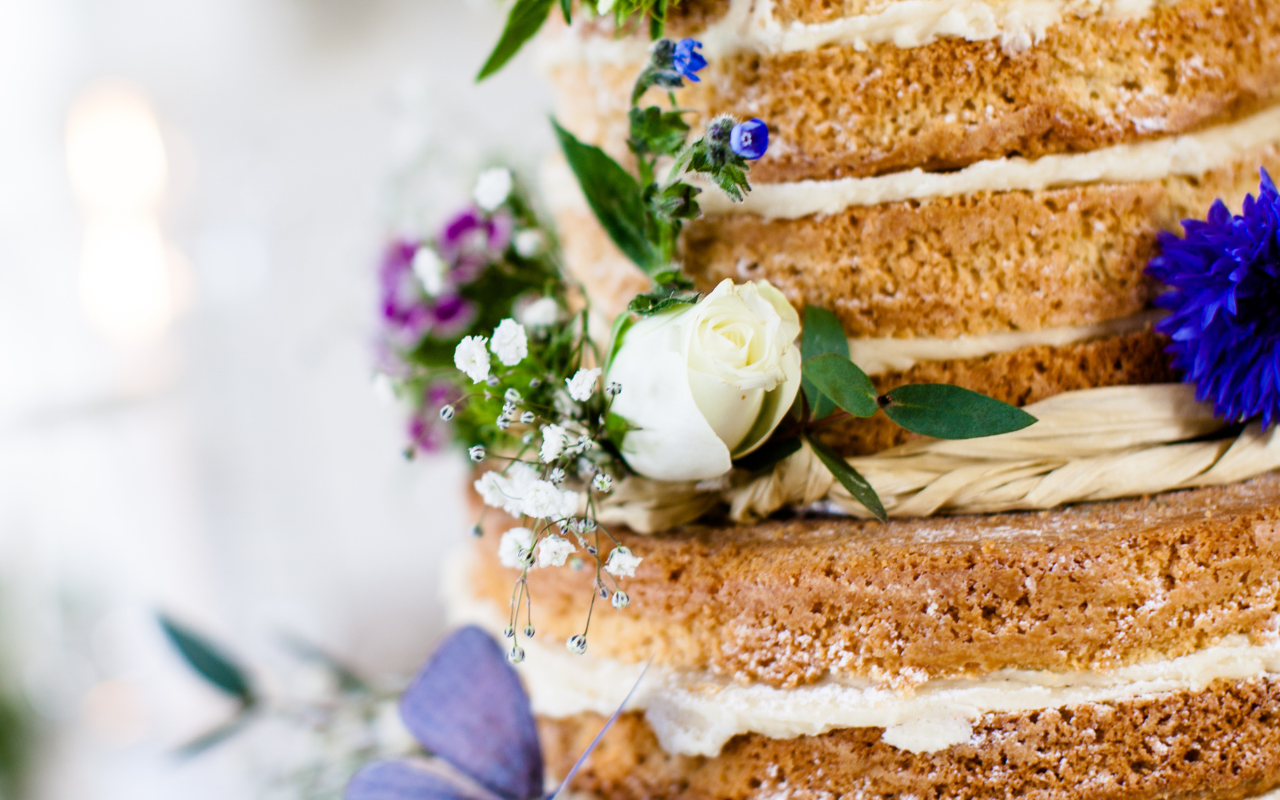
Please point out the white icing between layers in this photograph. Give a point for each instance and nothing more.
(888, 354)
(1190, 155)
(751, 27)
(695, 713)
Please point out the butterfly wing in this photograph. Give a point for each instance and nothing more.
(582, 759)
(401, 780)
(467, 707)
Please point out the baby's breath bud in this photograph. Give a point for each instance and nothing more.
(587, 525)
(446, 413)
(604, 592)
(493, 380)
(614, 389)
(575, 563)
(477, 453)
(527, 438)
(592, 550)
(577, 644)
(527, 418)
(535, 383)
(602, 482)
(516, 655)
(620, 599)
(557, 476)
(503, 423)
(512, 396)
(477, 531)
(528, 631)
(526, 557)
(509, 408)
(509, 632)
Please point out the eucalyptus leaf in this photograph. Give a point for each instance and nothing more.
(849, 479)
(614, 196)
(950, 412)
(769, 454)
(823, 334)
(209, 662)
(843, 382)
(524, 21)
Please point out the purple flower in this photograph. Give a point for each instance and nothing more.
(424, 434)
(471, 240)
(403, 307)
(749, 139)
(686, 59)
(1224, 296)
(450, 316)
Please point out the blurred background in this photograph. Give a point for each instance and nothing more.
(193, 198)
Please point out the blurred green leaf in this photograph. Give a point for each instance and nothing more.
(839, 379)
(950, 412)
(524, 21)
(209, 662)
(769, 454)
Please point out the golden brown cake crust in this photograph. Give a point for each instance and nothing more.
(791, 602)
(1222, 742)
(1021, 377)
(972, 264)
(837, 112)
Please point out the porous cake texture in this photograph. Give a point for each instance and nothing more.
(984, 181)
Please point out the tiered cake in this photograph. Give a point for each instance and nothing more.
(974, 188)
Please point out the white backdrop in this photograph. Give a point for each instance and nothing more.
(235, 469)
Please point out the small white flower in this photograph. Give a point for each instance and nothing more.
(513, 545)
(493, 187)
(554, 440)
(543, 500)
(529, 243)
(553, 550)
(583, 384)
(472, 357)
(622, 563)
(492, 488)
(510, 342)
(602, 483)
(557, 476)
(430, 269)
(541, 313)
(477, 453)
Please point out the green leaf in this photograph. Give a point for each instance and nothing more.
(950, 412)
(614, 197)
(524, 21)
(617, 427)
(849, 479)
(207, 660)
(215, 737)
(566, 8)
(659, 132)
(823, 334)
(840, 380)
(770, 453)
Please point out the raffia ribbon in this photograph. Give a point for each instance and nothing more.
(1095, 444)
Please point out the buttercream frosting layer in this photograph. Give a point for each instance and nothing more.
(695, 713)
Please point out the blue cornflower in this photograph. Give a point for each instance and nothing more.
(749, 139)
(686, 59)
(1224, 299)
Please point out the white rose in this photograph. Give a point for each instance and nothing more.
(706, 384)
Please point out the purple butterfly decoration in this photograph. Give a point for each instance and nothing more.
(467, 708)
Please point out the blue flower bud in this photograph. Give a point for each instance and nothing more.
(749, 139)
(687, 60)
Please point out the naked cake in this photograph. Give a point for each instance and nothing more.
(976, 191)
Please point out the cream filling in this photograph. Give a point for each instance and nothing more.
(694, 713)
(751, 27)
(888, 354)
(1191, 154)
